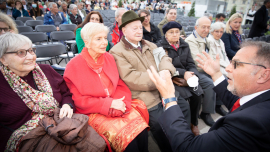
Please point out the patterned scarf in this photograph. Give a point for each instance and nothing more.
(236, 33)
(175, 46)
(41, 102)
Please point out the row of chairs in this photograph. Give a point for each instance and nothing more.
(46, 28)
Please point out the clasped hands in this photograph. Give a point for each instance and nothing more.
(118, 108)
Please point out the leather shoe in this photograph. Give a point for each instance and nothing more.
(195, 130)
(221, 111)
(206, 117)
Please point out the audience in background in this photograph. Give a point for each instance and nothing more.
(199, 43)
(74, 17)
(210, 16)
(10, 7)
(260, 25)
(88, 9)
(250, 15)
(220, 17)
(35, 11)
(7, 24)
(97, 7)
(64, 9)
(4, 9)
(81, 11)
(217, 46)
(115, 34)
(54, 17)
(232, 37)
(170, 15)
(19, 10)
(150, 31)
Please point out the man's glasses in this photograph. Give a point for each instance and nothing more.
(22, 53)
(4, 29)
(237, 63)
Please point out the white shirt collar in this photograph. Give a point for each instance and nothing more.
(198, 35)
(247, 98)
(134, 45)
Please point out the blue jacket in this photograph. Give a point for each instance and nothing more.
(16, 13)
(231, 44)
(49, 21)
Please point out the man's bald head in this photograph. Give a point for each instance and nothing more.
(202, 26)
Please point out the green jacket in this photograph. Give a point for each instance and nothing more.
(165, 21)
(80, 42)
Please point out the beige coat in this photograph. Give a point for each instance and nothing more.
(165, 21)
(132, 65)
(197, 45)
(219, 48)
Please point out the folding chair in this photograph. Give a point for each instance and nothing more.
(45, 28)
(24, 29)
(40, 18)
(67, 27)
(24, 19)
(19, 23)
(36, 37)
(33, 23)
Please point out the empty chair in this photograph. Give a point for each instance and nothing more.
(24, 19)
(190, 28)
(67, 27)
(184, 24)
(24, 29)
(255, 38)
(33, 23)
(267, 38)
(19, 23)
(41, 18)
(244, 26)
(48, 52)
(191, 24)
(45, 28)
(262, 38)
(248, 39)
(36, 36)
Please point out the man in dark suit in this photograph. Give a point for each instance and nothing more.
(259, 26)
(246, 127)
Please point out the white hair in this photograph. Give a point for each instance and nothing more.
(80, 3)
(51, 4)
(118, 10)
(72, 6)
(217, 26)
(11, 42)
(91, 29)
(64, 3)
(198, 20)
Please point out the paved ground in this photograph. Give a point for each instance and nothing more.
(152, 145)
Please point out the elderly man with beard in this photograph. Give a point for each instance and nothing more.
(133, 57)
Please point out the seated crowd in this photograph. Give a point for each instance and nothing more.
(131, 79)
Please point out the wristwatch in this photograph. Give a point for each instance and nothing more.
(167, 100)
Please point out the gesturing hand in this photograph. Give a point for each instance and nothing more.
(66, 111)
(163, 82)
(118, 104)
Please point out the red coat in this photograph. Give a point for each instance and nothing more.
(86, 88)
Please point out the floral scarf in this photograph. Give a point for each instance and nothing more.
(175, 46)
(41, 101)
(236, 33)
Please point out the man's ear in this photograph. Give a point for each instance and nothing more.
(265, 77)
(195, 27)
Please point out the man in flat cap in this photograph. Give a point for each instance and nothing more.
(133, 57)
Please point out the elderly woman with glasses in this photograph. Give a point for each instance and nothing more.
(74, 17)
(179, 51)
(150, 31)
(232, 35)
(28, 91)
(98, 92)
(7, 24)
(217, 46)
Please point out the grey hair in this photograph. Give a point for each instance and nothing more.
(80, 3)
(263, 52)
(118, 10)
(208, 14)
(10, 23)
(11, 42)
(198, 20)
(217, 26)
(51, 4)
(72, 6)
(64, 3)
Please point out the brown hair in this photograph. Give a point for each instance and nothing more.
(10, 2)
(143, 11)
(87, 19)
(19, 2)
(36, 10)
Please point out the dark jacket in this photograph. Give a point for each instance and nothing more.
(75, 19)
(245, 129)
(67, 134)
(231, 44)
(152, 36)
(259, 25)
(16, 13)
(182, 61)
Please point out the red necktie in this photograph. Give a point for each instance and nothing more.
(236, 105)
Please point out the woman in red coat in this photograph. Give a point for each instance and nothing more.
(98, 92)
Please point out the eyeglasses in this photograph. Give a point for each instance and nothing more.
(4, 29)
(236, 63)
(205, 27)
(22, 53)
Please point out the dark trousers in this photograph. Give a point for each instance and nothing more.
(195, 105)
(249, 22)
(139, 144)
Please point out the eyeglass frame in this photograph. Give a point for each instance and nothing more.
(33, 50)
(5, 29)
(234, 64)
